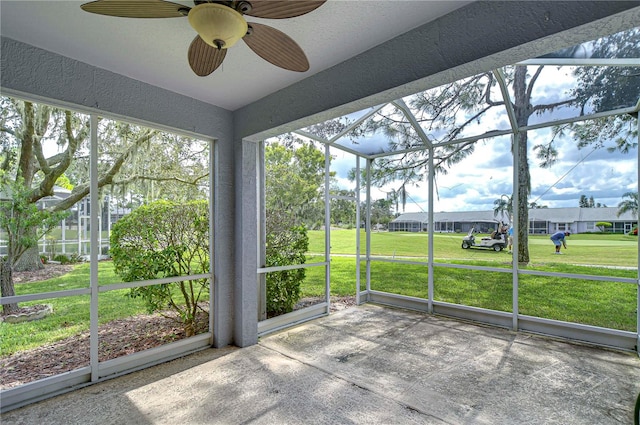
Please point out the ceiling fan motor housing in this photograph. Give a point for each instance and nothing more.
(219, 26)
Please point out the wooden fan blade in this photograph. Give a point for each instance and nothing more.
(280, 9)
(204, 59)
(136, 8)
(276, 47)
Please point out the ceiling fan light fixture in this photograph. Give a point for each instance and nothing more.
(219, 26)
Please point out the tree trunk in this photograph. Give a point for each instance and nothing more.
(523, 197)
(523, 110)
(6, 285)
(29, 261)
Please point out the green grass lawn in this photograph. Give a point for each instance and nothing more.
(592, 302)
(598, 303)
(588, 249)
(70, 314)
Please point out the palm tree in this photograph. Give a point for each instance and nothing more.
(534, 205)
(503, 206)
(630, 204)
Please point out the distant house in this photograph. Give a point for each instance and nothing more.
(541, 221)
(458, 222)
(59, 194)
(410, 222)
(82, 208)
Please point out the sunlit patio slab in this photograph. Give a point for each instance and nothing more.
(367, 365)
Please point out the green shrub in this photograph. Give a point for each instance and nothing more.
(165, 239)
(286, 246)
(62, 259)
(74, 257)
(68, 259)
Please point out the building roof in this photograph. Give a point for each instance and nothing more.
(553, 215)
(59, 193)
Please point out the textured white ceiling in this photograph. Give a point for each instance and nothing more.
(155, 50)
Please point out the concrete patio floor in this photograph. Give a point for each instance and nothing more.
(367, 365)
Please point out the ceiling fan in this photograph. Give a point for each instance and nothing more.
(220, 24)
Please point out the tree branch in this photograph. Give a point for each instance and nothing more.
(532, 82)
(137, 177)
(25, 162)
(7, 130)
(52, 174)
(552, 106)
(487, 94)
(42, 125)
(81, 191)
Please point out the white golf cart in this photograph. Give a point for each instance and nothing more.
(497, 241)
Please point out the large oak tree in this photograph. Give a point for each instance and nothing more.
(42, 146)
(439, 112)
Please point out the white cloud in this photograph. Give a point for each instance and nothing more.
(477, 181)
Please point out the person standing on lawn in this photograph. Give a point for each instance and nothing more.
(558, 239)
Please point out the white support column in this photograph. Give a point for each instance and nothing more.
(358, 220)
(43, 250)
(230, 221)
(262, 233)
(244, 294)
(212, 261)
(368, 240)
(109, 219)
(638, 225)
(515, 201)
(63, 236)
(93, 276)
(430, 267)
(78, 227)
(99, 232)
(327, 227)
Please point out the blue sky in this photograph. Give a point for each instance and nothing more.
(476, 182)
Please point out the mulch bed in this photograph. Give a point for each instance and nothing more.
(48, 272)
(116, 338)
